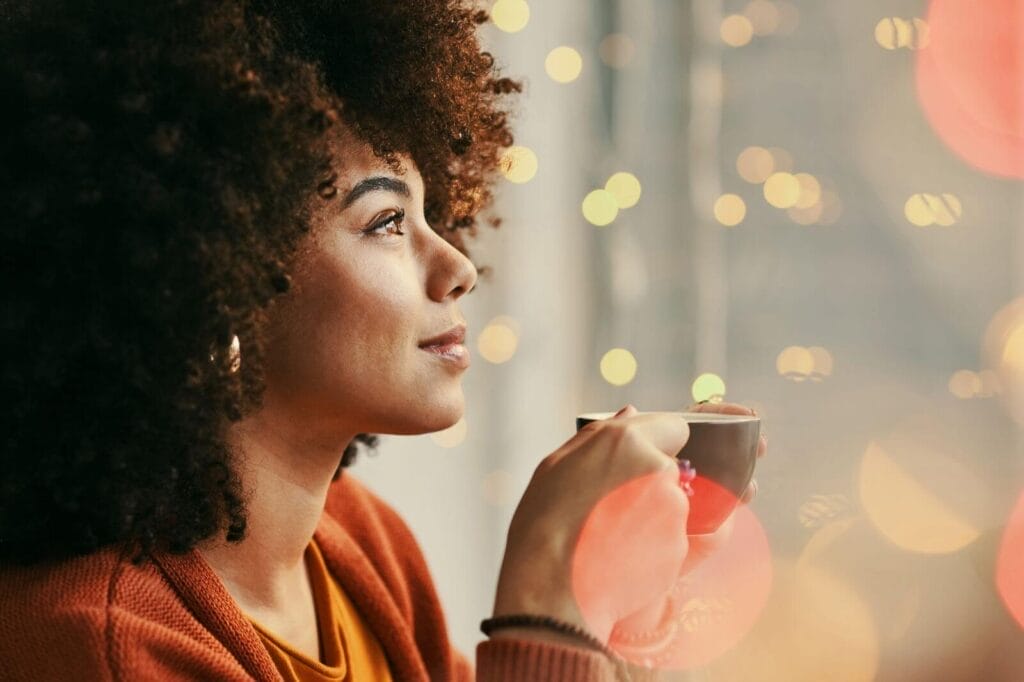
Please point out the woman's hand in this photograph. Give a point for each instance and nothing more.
(601, 530)
(700, 546)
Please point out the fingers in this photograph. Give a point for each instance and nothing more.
(722, 408)
(762, 446)
(666, 431)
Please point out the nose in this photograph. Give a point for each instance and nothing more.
(451, 274)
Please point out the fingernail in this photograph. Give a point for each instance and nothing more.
(686, 475)
(623, 410)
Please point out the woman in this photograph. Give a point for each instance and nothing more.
(234, 243)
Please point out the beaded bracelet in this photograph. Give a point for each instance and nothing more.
(489, 625)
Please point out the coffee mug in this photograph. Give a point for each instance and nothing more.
(723, 450)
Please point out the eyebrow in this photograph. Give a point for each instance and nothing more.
(377, 183)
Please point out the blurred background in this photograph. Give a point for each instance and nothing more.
(813, 208)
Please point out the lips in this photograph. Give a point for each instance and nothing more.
(454, 336)
(448, 347)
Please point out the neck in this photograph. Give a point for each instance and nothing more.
(286, 468)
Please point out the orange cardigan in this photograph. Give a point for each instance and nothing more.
(98, 617)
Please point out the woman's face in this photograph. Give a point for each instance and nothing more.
(373, 283)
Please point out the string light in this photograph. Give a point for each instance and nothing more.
(511, 16)
(782, 190)
(763, 16)
(708, 386)
(498, 341)
(923, 210)
(600, 207)
(625, 188)
(618, 367)
(736, 30)
(893, 33)
(755, 164)
(563, 64)
(519, 164)
(730, 210)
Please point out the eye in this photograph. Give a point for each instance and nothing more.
(391, 224)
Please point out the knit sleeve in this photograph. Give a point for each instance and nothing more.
(509, 660)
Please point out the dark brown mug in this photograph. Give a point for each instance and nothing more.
(723, 450)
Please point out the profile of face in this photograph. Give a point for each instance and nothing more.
(371, 284)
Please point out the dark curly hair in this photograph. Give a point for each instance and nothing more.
(160, 165)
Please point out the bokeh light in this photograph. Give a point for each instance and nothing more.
(763, 15)
(810, 190)
(795, 362)
(1010, 564)
(1004, 355)
(970, 82)
(899, 499)
(823, 362)
(498, 341)
(510, 16)
(519, 164)
(933, 209)
(625, 188)
(453, 436)
(708, 386)
(563, 64)
(617, 50)
(831, 208)
(893, 33)
(736, 30)
(814, 627)
(965, 384)
(755, 164)
(600, 207)
(730, 210)
(782, 190)
(618, 367)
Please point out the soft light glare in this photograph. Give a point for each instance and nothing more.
(755, 164)
(497, 342)
(625, 188)
(600, 207)
(618, 367)
(730, 210)
(563, 64)
(708, 387)
(617, 50)
(736, 30)
(519, 164)
(451, 437)
(904, 510)
(893, 32)
(510, 16)
(782, 190)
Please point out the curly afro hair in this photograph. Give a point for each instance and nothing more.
(161, 165)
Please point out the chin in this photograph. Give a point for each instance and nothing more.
(429, 416)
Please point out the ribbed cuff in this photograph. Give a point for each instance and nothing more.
(513, 660)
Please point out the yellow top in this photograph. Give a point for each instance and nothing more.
(349, 652)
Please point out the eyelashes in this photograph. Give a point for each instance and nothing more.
(392, 224)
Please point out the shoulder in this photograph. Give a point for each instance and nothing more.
(97, 615)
